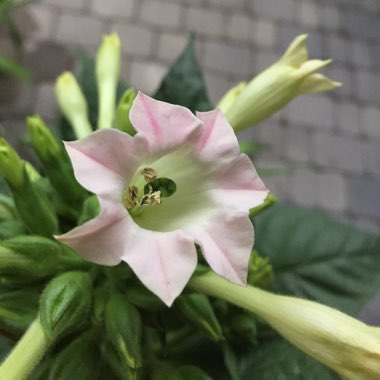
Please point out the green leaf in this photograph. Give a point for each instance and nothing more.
(276, 359)
(9, 66)
(184, 83)
(87, 81)
(317, 258)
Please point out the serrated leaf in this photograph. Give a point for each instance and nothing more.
(184, 83)
(317, 258)
(276, 359)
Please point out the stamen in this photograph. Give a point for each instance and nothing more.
(149, 174)
(130, 197)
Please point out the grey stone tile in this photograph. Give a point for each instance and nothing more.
(312, 110)
(368, 85)
(217, 85)
(228, 58)
(240, 27)
(330, 17)
(331, 192)
(78, 29)
(146, 76)
(135, 39)
(349, 154)
(159, 13)
(362, 25)
(323, 147)
(45, 103)
(69, 4)
(364, 196)
(372, 157)
(170, 46)
(342, 74)
(264, 59)
(38, 18)
(201, 21)
(55, 60)
(302, 185)
(227, 4)
(278, 9)
(308, 13)
(264, 33)
(348, 118)
(370, 121)
(113, 8)
(297, 144)
(361, 54)
(338, 49)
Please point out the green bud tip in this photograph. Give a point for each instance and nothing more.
(41, 138)
(11, 165)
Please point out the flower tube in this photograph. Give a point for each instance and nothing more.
(265, 94)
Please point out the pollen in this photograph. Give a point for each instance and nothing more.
(149, 174)
(130, 197)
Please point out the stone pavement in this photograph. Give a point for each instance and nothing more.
(328, 145)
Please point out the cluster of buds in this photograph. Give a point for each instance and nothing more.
(110, 324)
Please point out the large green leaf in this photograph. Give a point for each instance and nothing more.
(87, 81)
(184, 83)
(276, 359)
(317, 258)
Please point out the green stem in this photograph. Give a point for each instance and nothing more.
(26, 354)
(250, 298)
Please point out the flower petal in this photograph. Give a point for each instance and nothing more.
(218, 141)
(239, 185)
(164, 262)
(226, 243)
(102, 239)
(165, 126)
(105, 160)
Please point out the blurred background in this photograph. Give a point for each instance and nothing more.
(327, 146)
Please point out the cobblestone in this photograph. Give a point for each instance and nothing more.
(113, 8)
(364, 196)
(308, 110)
(230, 59)
(370, 121)
(348, 120)
(159, 13)
(146, 76)
(170, 46)
(75, 29)
(135, 39)
(308, 14)
(284, 9)
(205, 22)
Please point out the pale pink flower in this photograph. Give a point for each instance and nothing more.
(155, 235)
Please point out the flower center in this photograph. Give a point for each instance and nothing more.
(138, 198)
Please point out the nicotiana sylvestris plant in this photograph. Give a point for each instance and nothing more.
(131, 256)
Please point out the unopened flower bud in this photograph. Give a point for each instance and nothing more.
(7, 208)
(123, 325)
(291, 76)
(230, 96)
(122, 121)
(108, 62)
(260, 271)
(54, 159)
(65, 303)
(25, 259)
(18, 308)
(196, 308)
(35, 209)
(79, 359)
(11, 165)
(73, 104)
